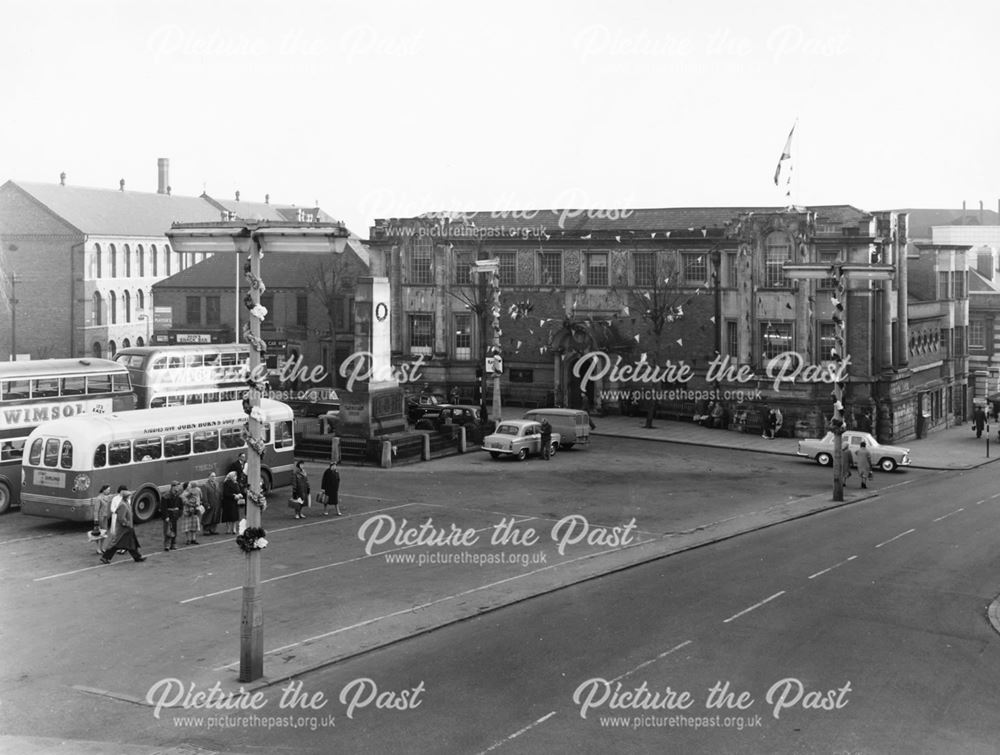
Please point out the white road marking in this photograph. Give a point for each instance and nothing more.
(754, 606)
(886, 542)
(995, 495)
(978, 503)
(642, 665)
(831, 568)
(517, 733)
(948, 515)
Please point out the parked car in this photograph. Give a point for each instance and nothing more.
(418, 405)
(885, 457)
(518, 438)
(441, 415)
(574, 425)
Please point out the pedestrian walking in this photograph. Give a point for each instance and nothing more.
(864, 461)
(546, 440)
(769, 423)
(230, 503)
(170, 511)
(331, 489)
(300, 490)
(191, 517)
(211, 498)
(979, 421)
(845, 464)
(102, 517)
(123, 533)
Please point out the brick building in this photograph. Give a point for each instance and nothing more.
(576, 282)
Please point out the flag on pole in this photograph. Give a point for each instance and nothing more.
(786, 157)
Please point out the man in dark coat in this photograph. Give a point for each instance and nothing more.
(331, 487)
(546, 440)
(979, 420)
(170, 512)
(123, 534)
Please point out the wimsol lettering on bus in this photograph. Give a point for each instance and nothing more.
(32, 415)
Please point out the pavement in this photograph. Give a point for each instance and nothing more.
(953, 448)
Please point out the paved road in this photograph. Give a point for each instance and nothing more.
(92, 638)
(877, 610)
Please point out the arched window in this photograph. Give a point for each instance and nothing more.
(113, 313)
(127, 302)
(98, 315)
(96, 350)
(153, 252)
(97, 272)
(140, 341)
(777, 251)
(128, 262)
(140, 256)
(112, 349)
(166, 260)
(140, 302)
(113, 258)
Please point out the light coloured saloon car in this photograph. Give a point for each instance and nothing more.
(518, 438)
(884, 457)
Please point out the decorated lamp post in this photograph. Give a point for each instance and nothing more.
(254, 239)
(842, 273)
(494, 358)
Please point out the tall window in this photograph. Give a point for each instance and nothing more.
(775, 337)
(731, 269)
(127, 301)
(944, 289)
(128, 261)
(508, 268)
(166, 260)
(463, 268)
(732, 339)
(830, 258)
(644, 269)
(140, 302)
(213, 310)
(550, 268)
(113, 258)
(97, 261)
(98, 304)
(302, 310)
(977, 335)
(463, 336)
(113, 314)
(958, 278)
(153, 253)
(421, 263)
(421, 333)
(695, 268)
(140, 255)
(826, 341)
(194, 310)
(777, 251)
(597, 269)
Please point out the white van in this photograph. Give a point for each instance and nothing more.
(573, 425)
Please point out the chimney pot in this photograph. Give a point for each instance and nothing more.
(267, 199)
(121, 184)
(237, 195)
(162, 175)
(62, 178)
(168, 190)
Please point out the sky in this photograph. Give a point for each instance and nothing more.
(390, 109)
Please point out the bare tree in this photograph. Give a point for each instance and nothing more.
(334, 278)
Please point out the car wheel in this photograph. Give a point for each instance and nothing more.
(553, 449)
(495, 454)
(522, 454)
(887, 465)
(824, 460)
(145, 504)
(5, 498)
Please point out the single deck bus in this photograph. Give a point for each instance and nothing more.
(188, 374)
(67, 461)
(40, 390)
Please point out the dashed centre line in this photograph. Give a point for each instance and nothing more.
(949, 514)
(518, 733)
(754, 606)
(831, 568)
(901, 534)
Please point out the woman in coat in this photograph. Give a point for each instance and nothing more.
(123, 537)
(300, 490)
(331, 487)
(102, 516)
(191, 518)
(230, 502)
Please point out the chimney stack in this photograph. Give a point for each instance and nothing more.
(62, 178)
(982, 220)
(237, 195)
(121, 184)
(267, 199)
(163, 175)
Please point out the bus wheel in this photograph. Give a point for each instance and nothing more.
(145, 504)
(5, 498)
(265, 482)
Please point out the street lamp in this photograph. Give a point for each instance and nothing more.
(494, 363)
(842, 273)
(254, 239)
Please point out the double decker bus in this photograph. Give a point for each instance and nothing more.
(67, 461)
(190, 374)
(37, 391)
